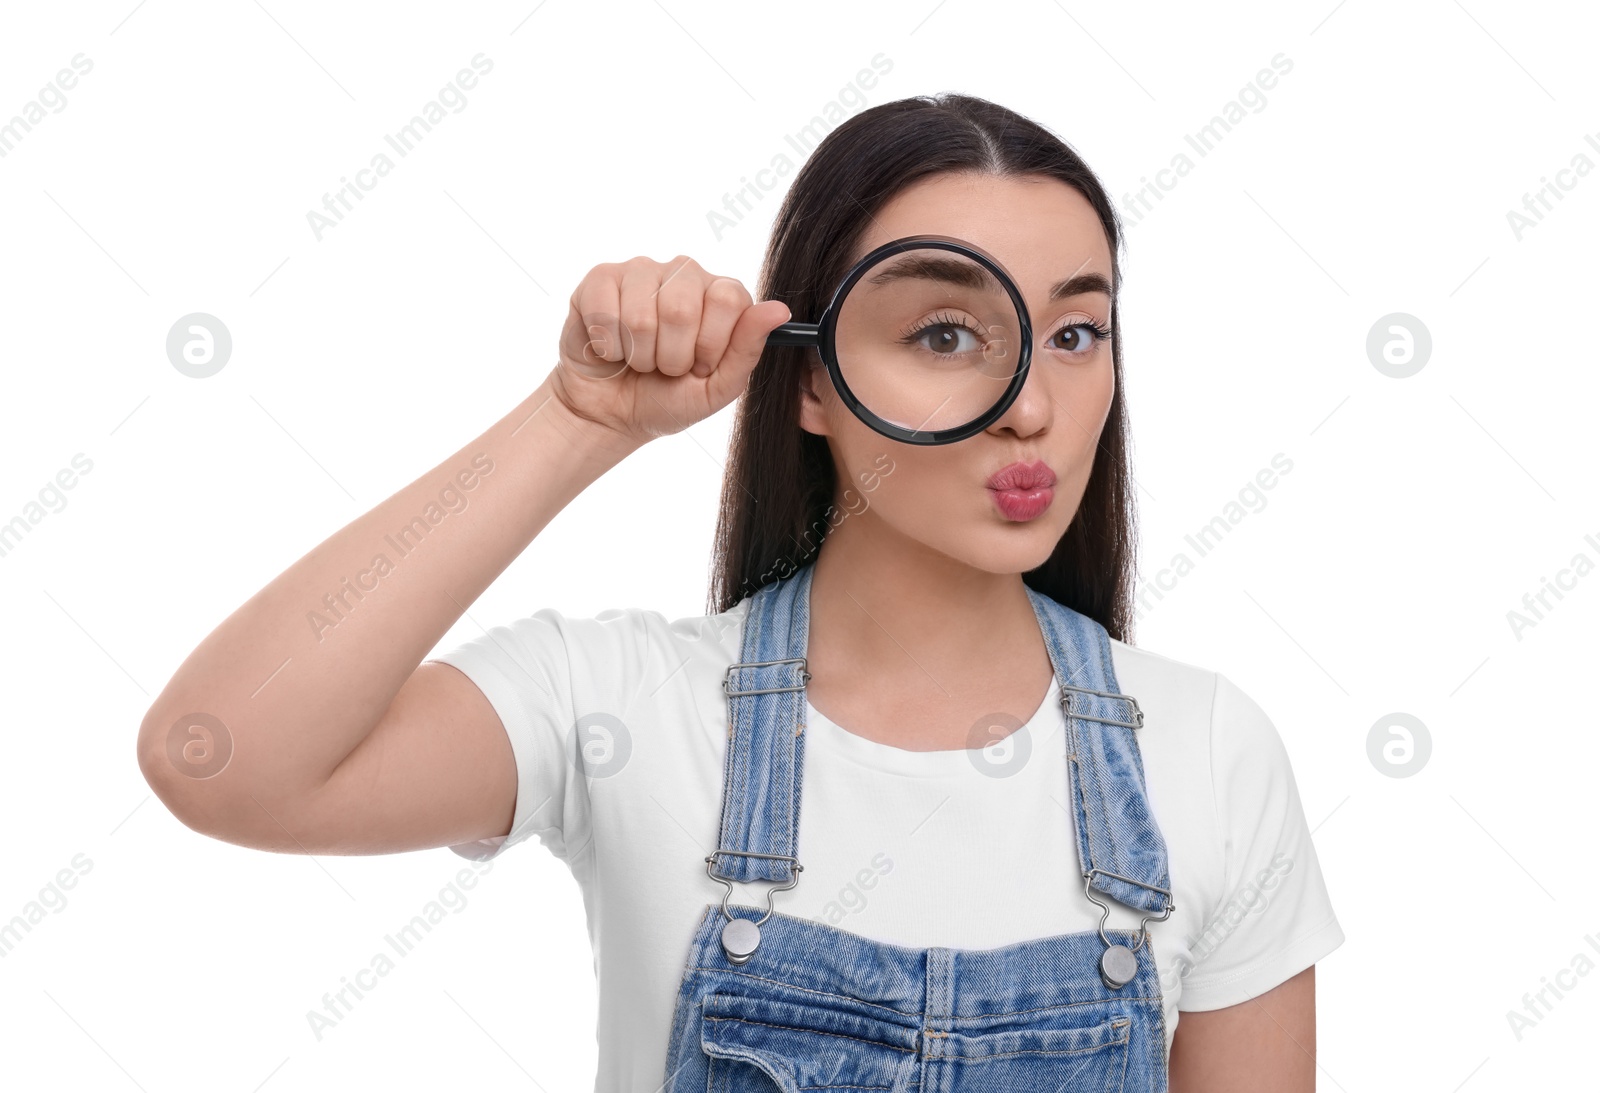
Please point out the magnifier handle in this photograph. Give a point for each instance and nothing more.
(793, 334)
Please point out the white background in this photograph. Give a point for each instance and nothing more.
(1377, 579)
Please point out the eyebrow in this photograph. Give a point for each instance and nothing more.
(1078, 285)
(952, 271)
(968, 274)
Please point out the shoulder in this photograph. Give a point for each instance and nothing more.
(675, 636)
(1171, 692)
(1201, 705)
(1204, 738)
(604, 659)
(636, 647)
(641, 628)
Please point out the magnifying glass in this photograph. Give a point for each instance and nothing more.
(926, 339)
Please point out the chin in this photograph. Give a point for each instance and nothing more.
(1010, 552)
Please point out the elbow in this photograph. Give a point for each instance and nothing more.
(171, 785)
(189, 763)
(180, 759)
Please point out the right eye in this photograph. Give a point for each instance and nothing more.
(943, 337)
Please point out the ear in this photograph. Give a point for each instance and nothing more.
(813, 417)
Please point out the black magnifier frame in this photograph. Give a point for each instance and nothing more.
(820, 335)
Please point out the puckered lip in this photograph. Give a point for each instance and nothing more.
(1022, 476)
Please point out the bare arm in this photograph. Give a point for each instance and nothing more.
(306, 722)
(303, 673)
(1262, 1045)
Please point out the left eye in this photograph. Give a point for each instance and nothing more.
(1079, 336)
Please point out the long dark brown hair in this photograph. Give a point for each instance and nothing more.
(779, 483)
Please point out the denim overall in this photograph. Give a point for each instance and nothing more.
(814, 1007)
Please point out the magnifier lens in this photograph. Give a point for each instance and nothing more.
(928, 339)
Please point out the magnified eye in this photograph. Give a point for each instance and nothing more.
(945, 336)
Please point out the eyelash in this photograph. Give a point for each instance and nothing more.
(1101, 332)
(911, 336)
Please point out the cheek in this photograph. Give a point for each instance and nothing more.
(910, 487)
(1083, 400)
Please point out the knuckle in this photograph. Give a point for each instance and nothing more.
(725, 292)
(639, 321)
(676, 311)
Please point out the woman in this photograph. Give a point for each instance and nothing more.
(932, 635)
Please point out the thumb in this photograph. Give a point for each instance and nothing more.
(745, 343)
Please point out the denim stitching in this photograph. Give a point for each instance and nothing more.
(1110, 842)
(1122, 1042)
(813, 1031)
(917, 1014)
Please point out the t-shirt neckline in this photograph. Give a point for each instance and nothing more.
(930, 764)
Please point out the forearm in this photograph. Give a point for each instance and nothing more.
(302, 671)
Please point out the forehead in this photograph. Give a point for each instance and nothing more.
(1039, 228)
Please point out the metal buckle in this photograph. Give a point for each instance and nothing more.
(1138, 714)
(798, 868)
(1105, 908)
(727, 679)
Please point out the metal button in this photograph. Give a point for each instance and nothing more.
(739, 940)
(1118, 966)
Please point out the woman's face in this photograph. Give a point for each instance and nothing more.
(1044, 233)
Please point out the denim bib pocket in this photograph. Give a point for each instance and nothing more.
(1088, 1058)
(757, 1044)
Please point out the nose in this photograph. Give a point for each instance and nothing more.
(1032, 410)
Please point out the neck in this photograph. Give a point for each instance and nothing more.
(891, 610)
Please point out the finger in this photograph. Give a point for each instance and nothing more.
(678, 304)
(745, 345)
(724, 301)
(592, 335)
(640, 280)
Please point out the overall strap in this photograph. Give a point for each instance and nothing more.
(766, 736)
(1120, 849)
(1121, 852)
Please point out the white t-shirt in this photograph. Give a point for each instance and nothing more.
(916, 848)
